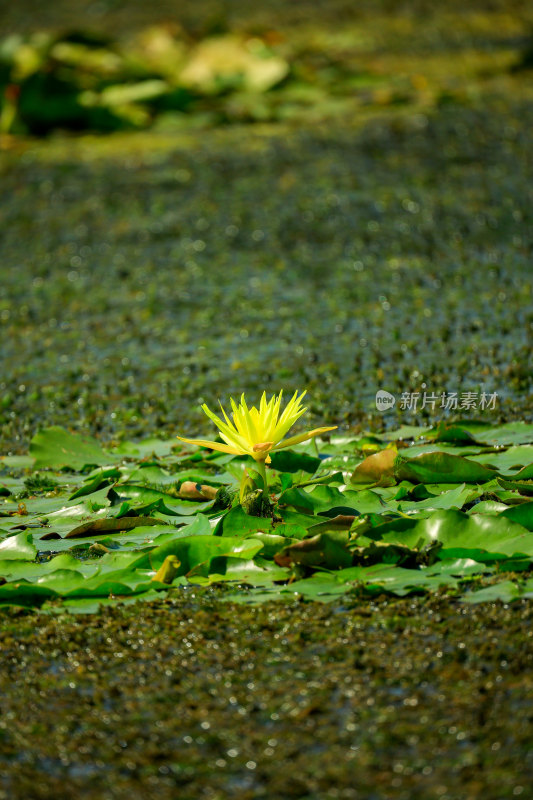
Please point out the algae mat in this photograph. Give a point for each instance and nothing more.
(194, 698)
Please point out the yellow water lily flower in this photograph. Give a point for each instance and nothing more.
(258, 431)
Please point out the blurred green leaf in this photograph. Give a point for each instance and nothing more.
(57, 447)
(19, 546)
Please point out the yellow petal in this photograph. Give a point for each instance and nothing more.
(302, 437)
(227, 432)
(213, 445)
(218, 422)
(292, 412)
(236, 441)
(228, 421)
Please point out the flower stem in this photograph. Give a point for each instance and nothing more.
(261, 468)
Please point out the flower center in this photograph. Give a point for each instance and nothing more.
(262, 447)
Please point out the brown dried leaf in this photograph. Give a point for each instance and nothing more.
(377, 469)
(111, 525)
(196, 491)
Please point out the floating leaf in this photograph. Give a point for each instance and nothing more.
(196, 552)
(525, 474)
(396, 580)
(289, 461)
(377, 469)
(510, 433)
(340, 522)
(109, 525)
(319, 587)
(511, 458)
(451, 432)
(98, 481)
(451, 498)
(405, 537)
(57, 447)
(440, 468)
(325, 550)
(237, 522)
(20, 547)
(524, 487)
(504, 591)
(522, 514)
(480, 537)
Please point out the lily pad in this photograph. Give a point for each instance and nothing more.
(57, 447)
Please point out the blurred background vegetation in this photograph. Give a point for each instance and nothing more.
(125, 65)
(201, 198)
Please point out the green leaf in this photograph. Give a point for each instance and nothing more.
(100, 480)
(179, 508)
(397, 580)
(319, 499)
(57, 447)
(524, 487)
(451, 432)
(20, 547)
(340, 522)
(290, 530)
(365, 501)
(510, 433)
(139, 496)
(326, 550)
(480, 537)
(488, 507)
(522, 514)
(24, 595)
(91, 605)
(451, 498)
(406, 432)
(320, 587)
(460, 567)
(525, 474)
(289, 461)
(237, 522)
(257, 572)
(17, 462)
(291, 517)
(17, 569)
(196, 552)
(509, 459)
(273, 542)
(440, 468)
(147, 447)
(200, 526)
(505, 591)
